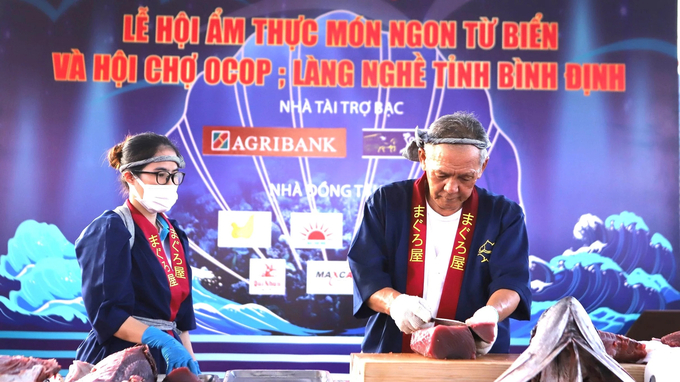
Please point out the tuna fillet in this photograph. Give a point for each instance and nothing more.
(444, 342)
(485, 331)
(672, 340)
(181, 374)
(622, 348)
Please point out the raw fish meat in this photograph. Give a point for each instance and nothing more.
(77, 370)
(129, 364)
(26, 369)
(672, 340)
(181, 374)
(622, 348)
(444, 342)
(485, 331)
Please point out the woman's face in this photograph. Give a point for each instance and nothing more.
(166, 166)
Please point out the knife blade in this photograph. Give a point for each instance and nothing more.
(447, 322)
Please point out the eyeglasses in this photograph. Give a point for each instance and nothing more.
(163, 177)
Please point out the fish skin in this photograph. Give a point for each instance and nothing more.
(565, 347)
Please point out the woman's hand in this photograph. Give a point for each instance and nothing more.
(173, 352)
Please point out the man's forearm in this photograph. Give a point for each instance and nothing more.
(381, 300)
(505, 301)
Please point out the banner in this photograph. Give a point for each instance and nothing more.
(290, 115)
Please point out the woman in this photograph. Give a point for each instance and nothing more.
(136, 280)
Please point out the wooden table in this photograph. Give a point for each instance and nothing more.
(365, 367)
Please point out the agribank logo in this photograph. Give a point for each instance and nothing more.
(220, 140)
(329, 277)
(275, 141)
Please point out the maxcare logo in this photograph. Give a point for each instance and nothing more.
(275, 141)
(329, 277)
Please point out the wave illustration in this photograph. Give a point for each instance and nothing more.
(42, 264)
(40, 285)
(620, 271)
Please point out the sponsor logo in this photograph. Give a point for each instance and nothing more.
(275, 141)
(316, 230)
(220, 140)
(385, 143)
(267, 276)
(244, 229)
(329, 277)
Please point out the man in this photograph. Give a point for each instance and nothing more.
(439, 246)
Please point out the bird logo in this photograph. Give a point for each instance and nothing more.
(245, 231)
(268, 271)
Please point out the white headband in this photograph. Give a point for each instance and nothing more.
(162, 158)
(410, 152)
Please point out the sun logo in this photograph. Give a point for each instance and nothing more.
(484, 251)
(316, 232)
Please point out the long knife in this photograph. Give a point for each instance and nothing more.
(447, 322)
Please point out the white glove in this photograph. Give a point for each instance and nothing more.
(484, 315)
(410, 313)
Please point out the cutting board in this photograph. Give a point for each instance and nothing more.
(365, 367)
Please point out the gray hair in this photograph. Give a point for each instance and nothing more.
(460, 128)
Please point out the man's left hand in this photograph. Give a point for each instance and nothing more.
(484, 316)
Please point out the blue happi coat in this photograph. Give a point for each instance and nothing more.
(378, 259)
(119, 282)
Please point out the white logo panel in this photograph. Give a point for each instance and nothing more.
(267, 276)
(329, 277)
(244, 229)
(316, 230)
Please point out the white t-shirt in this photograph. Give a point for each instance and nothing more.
(441, 234)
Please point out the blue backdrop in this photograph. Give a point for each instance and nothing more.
(596, 172)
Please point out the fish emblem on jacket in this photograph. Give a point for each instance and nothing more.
(485, 250)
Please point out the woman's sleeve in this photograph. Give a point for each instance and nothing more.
(103, 252)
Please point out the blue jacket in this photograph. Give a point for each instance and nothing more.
(119, 282)
(378, 258)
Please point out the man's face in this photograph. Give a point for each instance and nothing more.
(452, 171)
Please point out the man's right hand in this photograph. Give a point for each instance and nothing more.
(410, 313)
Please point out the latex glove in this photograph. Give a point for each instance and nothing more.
(410, 313)
(173, 352)
(485, 314)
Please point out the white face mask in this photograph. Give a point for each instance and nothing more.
(157, 198)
